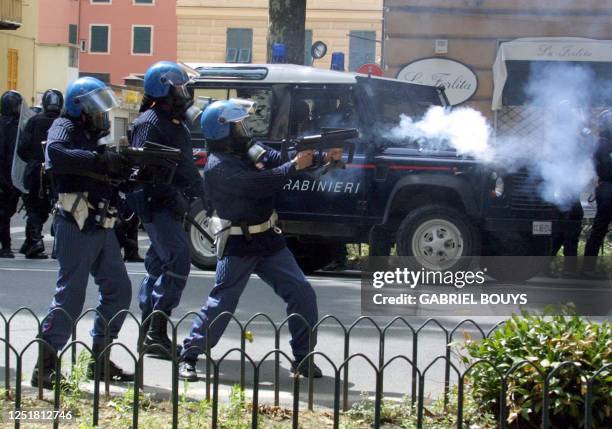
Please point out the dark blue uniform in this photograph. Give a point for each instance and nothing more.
(241, 193)
(92, 250)
(9, 195)
(168, 259)
(30, 149)
(603, 197)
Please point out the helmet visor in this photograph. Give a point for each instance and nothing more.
(179, 77)
(53, 99)
(98, 101)
(181, 92)
(236, 111)
(240, 130)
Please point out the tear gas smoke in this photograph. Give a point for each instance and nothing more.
(465, 129)
(557, 150)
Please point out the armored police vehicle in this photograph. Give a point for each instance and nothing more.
(434, 205)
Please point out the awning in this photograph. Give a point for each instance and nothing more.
(572, 49)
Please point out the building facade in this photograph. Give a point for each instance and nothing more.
(470, 32)
(18, 21)
(117, 38)
(57, 51)
(236, 31)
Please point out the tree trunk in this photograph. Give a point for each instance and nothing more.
(287, 25)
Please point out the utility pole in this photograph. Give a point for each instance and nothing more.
(287, 23)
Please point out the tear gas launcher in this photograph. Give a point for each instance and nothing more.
(328, 139)
(152, 163)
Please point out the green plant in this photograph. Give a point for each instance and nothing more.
(232, 416)
(404, 415)
(71, 385)
(193, 413)
(544, 342)
(123, 406)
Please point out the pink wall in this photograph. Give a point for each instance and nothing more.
(53, 19)
(120, 15)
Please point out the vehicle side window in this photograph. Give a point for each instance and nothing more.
(259, 120)
(388, 100)
(314, 109)
(265, 120)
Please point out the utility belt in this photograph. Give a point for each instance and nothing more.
(222, 229)
(78, 206)
(244, 229)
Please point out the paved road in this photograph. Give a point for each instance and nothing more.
(31, 283)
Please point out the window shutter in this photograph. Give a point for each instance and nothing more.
(362, 48)
(99, 38)
(307, 47)
(239, 44)
(142, 40)
(13, 69)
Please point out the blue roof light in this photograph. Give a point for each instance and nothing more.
(279, 53)
(337, 61)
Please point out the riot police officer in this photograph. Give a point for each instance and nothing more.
(161, 208)
(30, 149)
(603, 195)
(85, 241)
(10, 108)
(241, 182)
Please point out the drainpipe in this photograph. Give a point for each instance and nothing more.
(383, 37)
(34, 82)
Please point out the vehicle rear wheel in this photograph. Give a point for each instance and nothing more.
(438, 237)
(311, 256)
(203, 253)
(514, 257)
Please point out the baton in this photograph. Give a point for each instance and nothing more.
(201, 230)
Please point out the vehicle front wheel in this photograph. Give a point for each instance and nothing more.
(202, 250)
(438, 238)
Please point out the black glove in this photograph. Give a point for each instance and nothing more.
(114, 164)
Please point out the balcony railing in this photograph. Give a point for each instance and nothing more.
(10, 14)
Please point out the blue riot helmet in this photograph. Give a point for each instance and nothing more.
(166, 82)
(10, 103)
(218, 117)
(90, 98)
(224, 128)
(52, 101)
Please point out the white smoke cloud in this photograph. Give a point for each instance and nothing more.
(465, 129)
(557, 152)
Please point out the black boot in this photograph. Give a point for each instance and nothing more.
(49, 359)
(36, 251)
(133, 257)
(304, 370)
(116, 373)
(24, 247)
(145, 323)
(6, 252)
(157, 336)
(187, 370)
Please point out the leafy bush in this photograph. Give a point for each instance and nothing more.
(545, 343)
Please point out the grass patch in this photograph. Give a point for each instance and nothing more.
(235, 413)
